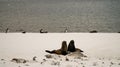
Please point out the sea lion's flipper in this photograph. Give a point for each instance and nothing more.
(81, 50)
(77, 49)
(50, 51)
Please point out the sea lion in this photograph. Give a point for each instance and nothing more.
(93, 31)
(7, 30)
(71, 47)
(41, 31)
(61, 51)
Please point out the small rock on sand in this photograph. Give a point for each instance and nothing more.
(2, 59)
(48, 56)
(19, 60)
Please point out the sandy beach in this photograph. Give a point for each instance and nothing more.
(101, 49)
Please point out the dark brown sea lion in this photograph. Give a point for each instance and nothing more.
(41, 31)
(93, 31)
(71, 47)
(61, 51)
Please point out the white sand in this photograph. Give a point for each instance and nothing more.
(56, 15)
(102, 49)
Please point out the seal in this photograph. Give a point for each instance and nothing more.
(61, 51)
(71, 47)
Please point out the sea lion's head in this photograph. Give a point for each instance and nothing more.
(71, 46)
(64, 48)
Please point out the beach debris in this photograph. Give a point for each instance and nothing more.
(103, 62)
(44, 60)
(95, 64)
(118, 63)
(34, 58)
(60, 59)
(118, 59)
(4, 62)
(93, 31)
(66, 59)
(100, 59)
(19, 60)
(83, 66)
(77, 57)
(27, 65)
(81, 63)
(111, 63)
(41, 62)
(48, 56)
(2, 59)
(55, 63)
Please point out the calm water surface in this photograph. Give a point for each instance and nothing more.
(57, 15)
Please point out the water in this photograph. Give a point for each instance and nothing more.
(57, 15)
